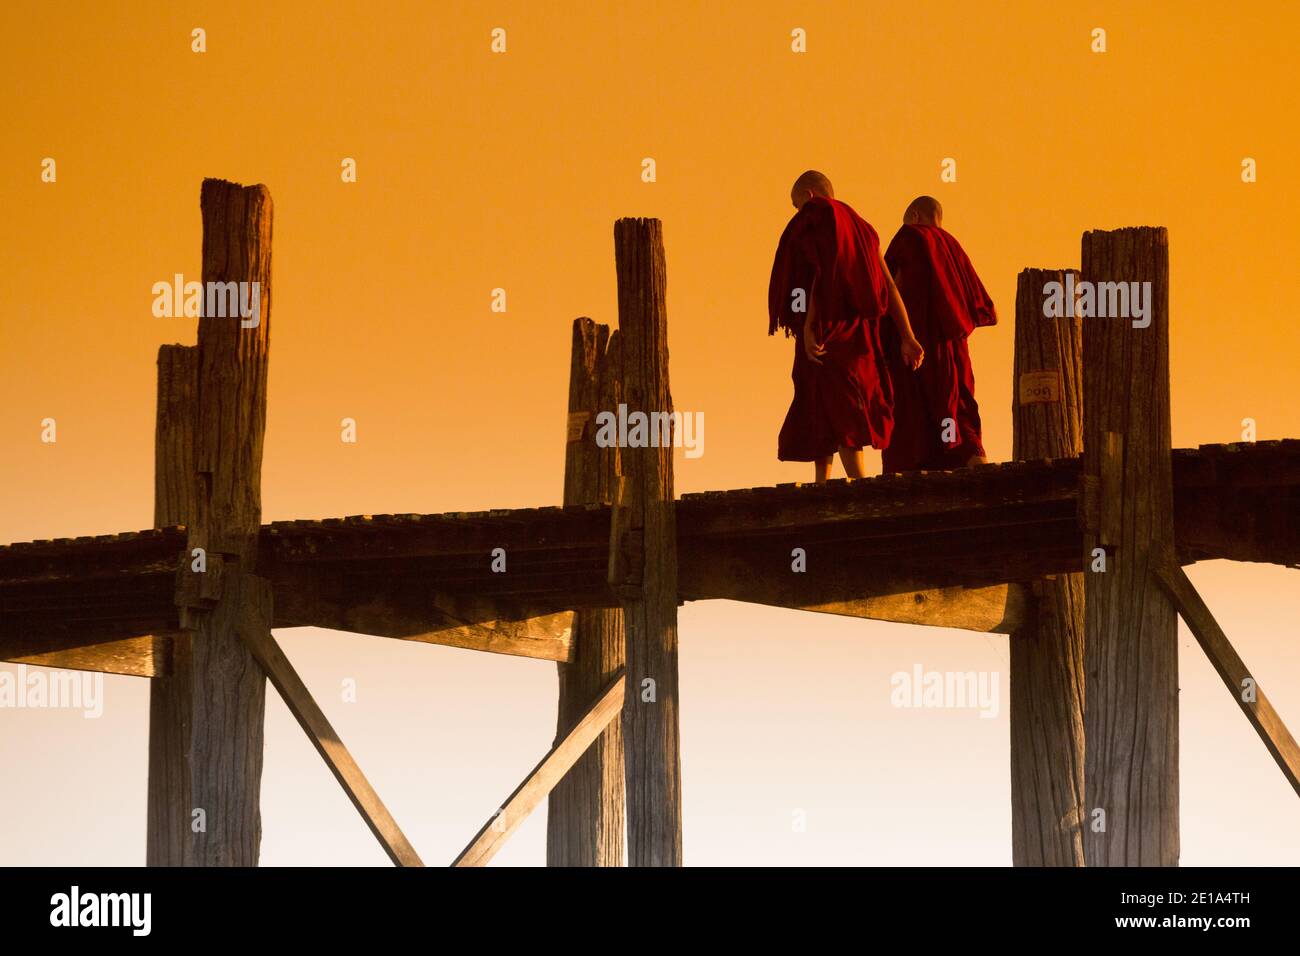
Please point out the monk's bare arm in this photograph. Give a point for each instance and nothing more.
(912, 351)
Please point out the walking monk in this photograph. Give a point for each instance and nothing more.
(936, 419)
(830, 290)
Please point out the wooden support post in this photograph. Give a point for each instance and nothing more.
(643, 553)
(229, 688)
(1047, 653)
(1131, 629)
(169, 804)
(595, 718)
(584, 824)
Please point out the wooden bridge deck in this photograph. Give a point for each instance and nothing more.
(429, 577)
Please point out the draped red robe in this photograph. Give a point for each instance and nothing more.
(946, 301)
(833, 255)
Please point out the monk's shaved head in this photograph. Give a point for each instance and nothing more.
(924, 211)
(811, 183)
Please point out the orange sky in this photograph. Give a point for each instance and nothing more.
(478, 171)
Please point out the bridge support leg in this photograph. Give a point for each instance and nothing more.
(1130, 634)
(584, 825)
(643, 553)
(1047, 654)
(206, 721)
(169, 804)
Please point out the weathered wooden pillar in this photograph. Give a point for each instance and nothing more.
(1047, 655)
(584, 825)
(643, 552)
(169, 804)
(229, 688)
(1130, 634)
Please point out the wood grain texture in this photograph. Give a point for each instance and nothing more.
(584, 823)
(406, 607)
(1130, 633)
(227, 728)
(749, 575)
(170, 706)
(149, 655)
(176, 418)
(645, 571)
(255, 632)
(233, 373)
(1233, 671)
(229, 687)
(1046, 670)
(595, 718)
(424, 577)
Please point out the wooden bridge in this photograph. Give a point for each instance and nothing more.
(1075, 550)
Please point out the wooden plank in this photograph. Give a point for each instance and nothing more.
(999, 609)
(964, 494)
(401, 607)
(1046, 666)
(255, 632)
(168, 806)
(1131, 629)
(837, 582)
(145, 656)
(584, 815)
(845, 571)
(544, 776)
(471, 537)
(644, 557)
(1232, 669)
(229, 688)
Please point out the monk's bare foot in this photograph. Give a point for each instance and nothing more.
(977, 460)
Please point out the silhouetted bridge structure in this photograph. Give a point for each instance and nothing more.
(1075, 551)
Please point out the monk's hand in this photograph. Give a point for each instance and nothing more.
(913, 354)
(812, 349)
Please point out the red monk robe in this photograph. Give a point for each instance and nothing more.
(945, 301)
(833, 254)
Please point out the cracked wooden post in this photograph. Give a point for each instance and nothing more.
(1046, 675)
(1130, 633)
(229, 688)
(168, 816)
(643, 553)
(584, 824)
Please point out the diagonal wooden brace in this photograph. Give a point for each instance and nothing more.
(257, 638)
(493, 834)
(1236, 676)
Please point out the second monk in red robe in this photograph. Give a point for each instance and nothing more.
(936, 419)
(830, 290)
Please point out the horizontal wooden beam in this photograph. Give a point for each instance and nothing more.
(544, 776)
(473, 534)
(997, 609)
(944, 535)
(767, 573)
(410, 610)
(1232, 669)
(145, 656)
(914, 578)
(969, 493)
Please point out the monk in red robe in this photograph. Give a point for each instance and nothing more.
(936, 418)
(830, 290)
